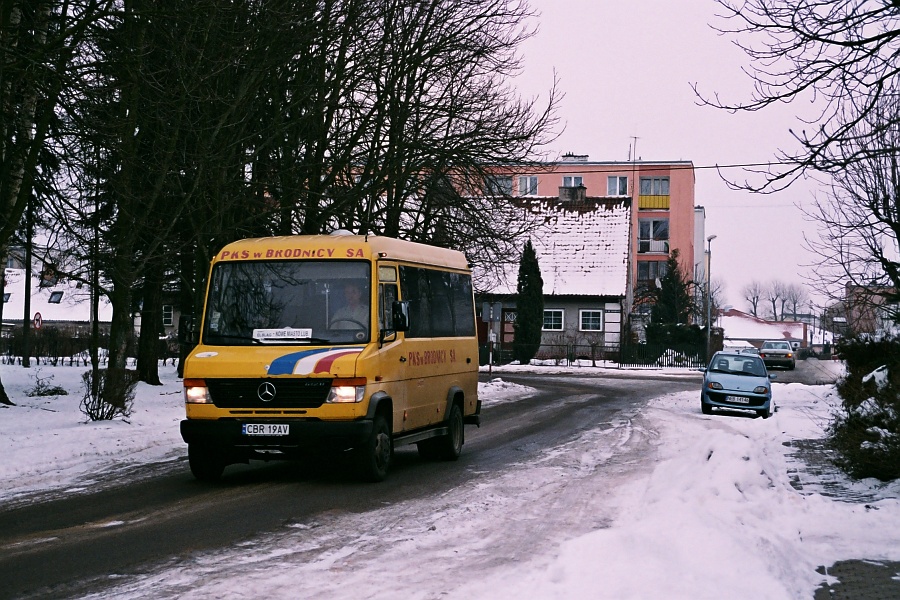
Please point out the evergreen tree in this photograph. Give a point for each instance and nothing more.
(673, 303)
(529, 306)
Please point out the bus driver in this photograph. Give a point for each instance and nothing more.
(354, 314)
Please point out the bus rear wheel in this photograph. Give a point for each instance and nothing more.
(449, 446)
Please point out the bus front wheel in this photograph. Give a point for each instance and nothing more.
(206, 464)
(374, 456)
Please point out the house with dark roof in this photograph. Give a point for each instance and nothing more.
(583, 251)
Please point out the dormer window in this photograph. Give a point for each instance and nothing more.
(49, 277)
(6, 297)
(55, 297)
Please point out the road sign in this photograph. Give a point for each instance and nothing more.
(37, 321)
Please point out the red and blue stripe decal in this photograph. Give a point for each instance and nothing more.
(319, 360)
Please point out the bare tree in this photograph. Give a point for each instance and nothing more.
(38, 43)
(795, 297)
(860, 218)
(773, 294)
(753, 294)
(716, 301)
(840, 52)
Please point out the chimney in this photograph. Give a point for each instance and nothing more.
(573, 195)
(572, 157)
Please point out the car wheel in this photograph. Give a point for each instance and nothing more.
(206, 463)
(374, 456)
(764, 413)
(706, 408)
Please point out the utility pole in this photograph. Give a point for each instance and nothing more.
(709, 296)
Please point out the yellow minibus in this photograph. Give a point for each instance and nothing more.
(342, 342)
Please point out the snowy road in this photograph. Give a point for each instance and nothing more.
(580, 493)
(527, 470)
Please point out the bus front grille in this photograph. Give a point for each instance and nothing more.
(269, 392)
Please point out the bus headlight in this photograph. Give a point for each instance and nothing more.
(196, 392)
(347, 390)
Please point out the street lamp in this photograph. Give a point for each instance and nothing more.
(708, 294)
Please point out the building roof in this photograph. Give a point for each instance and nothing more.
(581, 246)
(74, 304)
(739, 325)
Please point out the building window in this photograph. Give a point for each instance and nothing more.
(573, 181)
(528, 185)
(55, 297)
(617, 185)
(649, 271)
(553, 319)
(591, 320)
(654, 186)
(168, 314)
(653, 235)
(6, 297)
(498, 185)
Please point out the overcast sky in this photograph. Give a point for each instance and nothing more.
(625, 67)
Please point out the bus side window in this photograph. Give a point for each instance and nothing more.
(386, 299)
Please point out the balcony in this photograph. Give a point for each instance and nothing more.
(653, 202)
(660, 246)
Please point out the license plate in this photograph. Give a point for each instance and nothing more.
(265, 429)
(737, 399)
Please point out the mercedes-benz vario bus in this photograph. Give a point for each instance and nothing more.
(356, 344)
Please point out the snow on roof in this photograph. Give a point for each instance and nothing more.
(73, 304)
(742, 326)
(582, 247)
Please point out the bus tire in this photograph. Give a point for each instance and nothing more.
(206, 464)
(449, 446)
(374, 456)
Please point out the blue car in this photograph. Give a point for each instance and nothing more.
(735, 380)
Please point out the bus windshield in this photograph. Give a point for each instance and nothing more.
(288, 302)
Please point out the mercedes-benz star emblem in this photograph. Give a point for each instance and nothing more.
(266, 391)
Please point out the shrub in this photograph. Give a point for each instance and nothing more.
(111, 395)
(43, 387)
(866, 434)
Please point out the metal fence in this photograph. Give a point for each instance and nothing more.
(54, 346)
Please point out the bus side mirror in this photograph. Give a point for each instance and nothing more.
(400, 315)
(187, 334)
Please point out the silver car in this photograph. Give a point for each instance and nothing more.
(778, 353)
(737, 380)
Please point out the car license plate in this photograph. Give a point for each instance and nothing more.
(737, 399)
(265, 429)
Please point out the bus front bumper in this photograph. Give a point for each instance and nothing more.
(300, 434)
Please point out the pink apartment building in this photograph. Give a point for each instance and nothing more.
(664, 215)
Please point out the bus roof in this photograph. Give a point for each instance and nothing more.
(340, 247)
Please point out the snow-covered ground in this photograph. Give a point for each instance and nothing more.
(663, 502)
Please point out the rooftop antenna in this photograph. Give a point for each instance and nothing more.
(632, 151)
